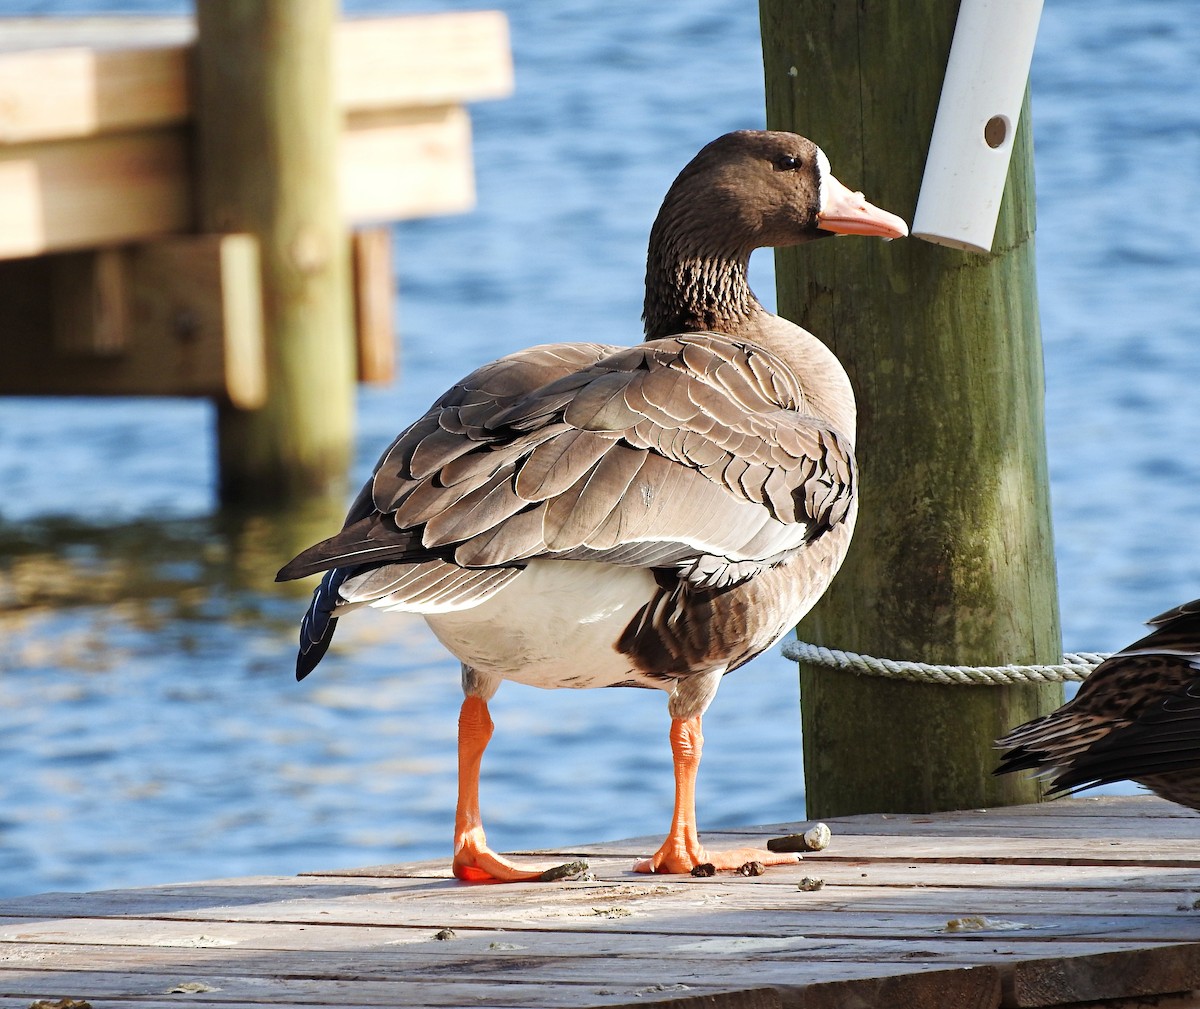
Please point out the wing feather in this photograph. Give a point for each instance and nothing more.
(426, 587)
(484, 508)
(573, 518)
(559, 462)
(601, 405)
(509, 542)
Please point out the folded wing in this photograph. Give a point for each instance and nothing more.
(691, 453)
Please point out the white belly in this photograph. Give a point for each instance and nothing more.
(555, 625)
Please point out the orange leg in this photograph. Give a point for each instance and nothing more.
(473, 859)
(682, 851)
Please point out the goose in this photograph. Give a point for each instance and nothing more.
(587, 515)
(1136, 717)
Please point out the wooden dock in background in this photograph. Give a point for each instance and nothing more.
(97, 181)
(183, 217)
(1092, 901)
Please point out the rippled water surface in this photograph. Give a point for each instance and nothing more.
(150, 729)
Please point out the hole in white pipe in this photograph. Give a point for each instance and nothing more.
(995, 131)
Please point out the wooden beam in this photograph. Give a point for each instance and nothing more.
(90, 295)
(98, 191)
(953, 557)
(429, 59)
(177, 317)
(393, 163)
(128, 188)
(78, 91)
(374, 301)
(63, 78)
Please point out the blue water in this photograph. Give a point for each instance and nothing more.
(150, 729)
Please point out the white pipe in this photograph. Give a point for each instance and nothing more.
(976, 123)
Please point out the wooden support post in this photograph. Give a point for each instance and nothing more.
(374, 294)
(267, 136)
(953, 559)
(89, 292)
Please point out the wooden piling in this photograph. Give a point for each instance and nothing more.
(267, 134)
(953, 556)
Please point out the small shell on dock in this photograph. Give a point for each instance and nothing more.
(982, 923)
(816, 838)
(611, 912)
(569, 870)
(810, 885)
(62, 1003)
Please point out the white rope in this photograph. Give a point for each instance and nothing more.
(1075, 666)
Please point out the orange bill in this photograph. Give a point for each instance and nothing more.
(846, 213)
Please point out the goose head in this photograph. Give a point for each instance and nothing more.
(759, 188)
(744, 191)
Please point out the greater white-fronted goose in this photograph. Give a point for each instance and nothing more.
(584, 515)
(1135, 718)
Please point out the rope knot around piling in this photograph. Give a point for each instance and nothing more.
(1074, 667)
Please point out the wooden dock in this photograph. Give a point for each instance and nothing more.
(1092, 901)
(200, 207)
(98, 181)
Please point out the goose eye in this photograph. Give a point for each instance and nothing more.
(787, 163)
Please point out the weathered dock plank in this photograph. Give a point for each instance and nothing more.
(956, 910)
(76, 77)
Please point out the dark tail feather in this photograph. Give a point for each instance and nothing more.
(371, 539)
(1020, 759)
(319, 623)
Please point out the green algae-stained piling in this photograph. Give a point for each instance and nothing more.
(267, 141)
(952, 559)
